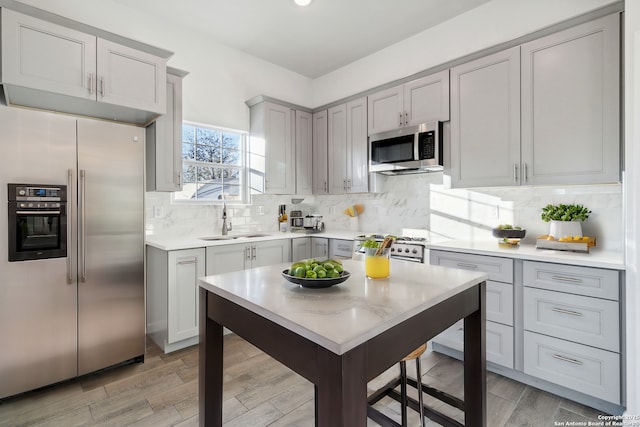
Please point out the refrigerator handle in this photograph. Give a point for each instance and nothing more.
(82, 239)
(69, 227)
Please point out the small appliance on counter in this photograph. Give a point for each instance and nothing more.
(313, 223)
(296, 221)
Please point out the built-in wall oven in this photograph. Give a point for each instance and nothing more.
(37, 221)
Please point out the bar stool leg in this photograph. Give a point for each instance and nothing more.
(420, 398)
(403, 392)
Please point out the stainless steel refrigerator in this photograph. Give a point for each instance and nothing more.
(68, 316)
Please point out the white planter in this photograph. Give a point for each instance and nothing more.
(559, 229)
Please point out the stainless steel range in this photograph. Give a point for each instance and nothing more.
(406, 248)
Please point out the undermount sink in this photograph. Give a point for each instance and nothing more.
(235, 236)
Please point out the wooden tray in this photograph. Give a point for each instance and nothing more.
(583, 246)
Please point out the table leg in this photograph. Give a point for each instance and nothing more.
(341, 392)
(211, 369)
(475, 394)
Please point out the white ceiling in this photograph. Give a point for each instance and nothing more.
(312, 40)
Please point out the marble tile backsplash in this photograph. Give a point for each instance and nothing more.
(421, 201)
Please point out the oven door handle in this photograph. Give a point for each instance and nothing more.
(38, 212)
(83, 263)
(406, 258)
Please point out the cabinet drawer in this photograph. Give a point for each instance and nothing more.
(586, 320)
(499, 302)
(499, 341)
(499, 269)
(593, 282)
(585, 369)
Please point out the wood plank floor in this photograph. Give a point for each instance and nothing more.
(163, 391)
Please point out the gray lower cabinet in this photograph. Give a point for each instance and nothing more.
(172, 296)
(554, 326)
(571, 337)
(499, 304)
(319, 247)
(309, 247)
(236, 257)
(300, 248)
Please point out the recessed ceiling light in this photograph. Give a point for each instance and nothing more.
(303, 2)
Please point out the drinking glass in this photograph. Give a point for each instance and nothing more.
(376, 266)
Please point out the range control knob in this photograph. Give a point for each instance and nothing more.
(414, 251)
(406, 250)
(22, 192)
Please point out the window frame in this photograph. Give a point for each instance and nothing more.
(244, 193)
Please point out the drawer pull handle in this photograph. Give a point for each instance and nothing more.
(185, 262)
(566, 279)
(464, 265)
(567, 359)
(564, 311)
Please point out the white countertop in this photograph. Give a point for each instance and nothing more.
(189, 242)
(344, 316)
(595, 258)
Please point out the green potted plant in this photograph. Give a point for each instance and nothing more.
(565, 219)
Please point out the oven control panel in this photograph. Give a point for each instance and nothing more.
(37, 193)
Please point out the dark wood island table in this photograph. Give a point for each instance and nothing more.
(341, 337)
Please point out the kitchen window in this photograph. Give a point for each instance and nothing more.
(213, 165)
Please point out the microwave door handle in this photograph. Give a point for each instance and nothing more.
(416, 146)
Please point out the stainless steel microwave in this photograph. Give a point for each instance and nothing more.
(412, 149)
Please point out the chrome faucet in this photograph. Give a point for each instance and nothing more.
(226, 226)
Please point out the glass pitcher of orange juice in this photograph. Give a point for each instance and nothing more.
(376, 266)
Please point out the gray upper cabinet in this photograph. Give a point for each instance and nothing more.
(485, 121)
(164, 140)
(546, 112)
(304, 152)
(348, 163)
(320, 153)
(571, 105)
(281, 145)
(272, 134)
(418, 101)
(53, 67)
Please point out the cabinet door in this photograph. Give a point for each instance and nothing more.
(357, 153)
(270, 252)
(184, 269)
(320, 153)
(164, 143)
(427, 99)
(485, 121)
(586, 320)
(228, 258)
(319, 248)
(300, 249)
(337, 143)
(39, 55)
(499, 341)
(385, 110)
(280, 150)
(588, 370)
(570, 105)
(130, 78)
(304, 152)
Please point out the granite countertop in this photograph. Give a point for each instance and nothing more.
(190, 242)
(344, 316)
(595, 258)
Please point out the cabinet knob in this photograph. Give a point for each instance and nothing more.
(401, 119)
